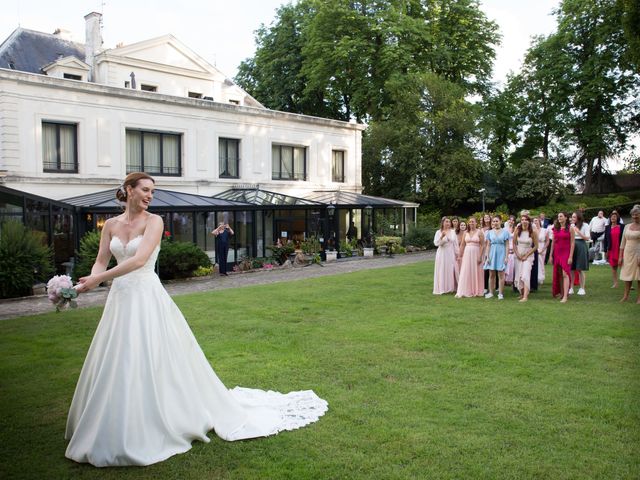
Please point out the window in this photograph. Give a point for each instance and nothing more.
(288, 163)
(229, 157)
(59, 147)
(337, 166)
(235, 102)
(156, 153)
(195, 95)
(71, 76)
(148, 88)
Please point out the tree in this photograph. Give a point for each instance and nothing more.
(603, 90)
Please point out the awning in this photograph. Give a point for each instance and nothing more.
(163, 200)
(343, 199)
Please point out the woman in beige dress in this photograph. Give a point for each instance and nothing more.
(630, 255)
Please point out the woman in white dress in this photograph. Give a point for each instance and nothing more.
(445, 273)
(146, 390)
(525, 241)
(543, 244)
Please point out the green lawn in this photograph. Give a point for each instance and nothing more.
(418, 386)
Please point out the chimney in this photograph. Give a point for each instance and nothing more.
(93, 41)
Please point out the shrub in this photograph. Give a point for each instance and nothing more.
(180, 259)
(281, 253)
(203, 271)
(86, 256)
(311, 245)
(420, 236)
(25, 259)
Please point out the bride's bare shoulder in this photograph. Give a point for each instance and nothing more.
(155, 219)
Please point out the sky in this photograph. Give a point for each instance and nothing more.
(222, 32)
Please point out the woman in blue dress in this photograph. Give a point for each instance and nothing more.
(496, 246)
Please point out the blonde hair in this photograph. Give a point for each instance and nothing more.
(131, 180)
(635, 209)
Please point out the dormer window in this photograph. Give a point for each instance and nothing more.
(148, 88)
(71, 76)
(235, 102)
(195, 95)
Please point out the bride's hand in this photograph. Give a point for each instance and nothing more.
(87, 283)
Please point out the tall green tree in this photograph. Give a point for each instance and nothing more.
(603, 89)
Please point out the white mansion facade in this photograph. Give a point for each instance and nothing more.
(81, 121)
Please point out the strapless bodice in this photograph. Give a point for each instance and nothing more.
(123, 252)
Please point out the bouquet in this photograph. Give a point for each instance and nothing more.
(61, 292)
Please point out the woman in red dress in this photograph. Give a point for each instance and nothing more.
(562, 256)
(611, 247)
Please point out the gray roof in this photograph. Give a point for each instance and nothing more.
(162, 200)
(29, 51)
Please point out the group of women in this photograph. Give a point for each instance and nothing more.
(474, 260)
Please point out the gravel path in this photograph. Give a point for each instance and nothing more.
(40, 304)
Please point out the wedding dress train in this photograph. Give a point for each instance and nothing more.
(146, 390)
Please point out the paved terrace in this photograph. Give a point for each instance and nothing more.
(40, 303)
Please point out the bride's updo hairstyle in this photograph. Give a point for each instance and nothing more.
(131, 180)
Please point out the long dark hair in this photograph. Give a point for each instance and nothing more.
(614, 212)
(556, 222)
(518, 231)
(580, 218)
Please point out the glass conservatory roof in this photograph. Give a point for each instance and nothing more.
(162, 200)
(256, 196)
(357, 200)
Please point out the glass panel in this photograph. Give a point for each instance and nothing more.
(134, 152)
(287, 162)
(67, 147)
(171, 154)
(151, 149)
(37, 216)
(182, 226)
(243, 234)
(63, 238)
(275, 161)
(10, 207)
(299, 163)
(337, 167)
(269, 234)
(49, 147)
(259, 234)
(233, 157)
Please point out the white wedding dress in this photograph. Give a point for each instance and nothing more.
(146, 390)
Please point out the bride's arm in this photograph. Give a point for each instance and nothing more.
(104, 253)
(151, 238)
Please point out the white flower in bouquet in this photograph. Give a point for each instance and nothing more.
(61, 292)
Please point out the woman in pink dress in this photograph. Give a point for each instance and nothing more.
(471, 281)
(611, 245)
(562, 256)
(461, 230)
(445, 274)
(525, 242)
(543, 244)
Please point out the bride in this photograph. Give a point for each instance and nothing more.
(146, 390)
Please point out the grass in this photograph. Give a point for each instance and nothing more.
(418, 386)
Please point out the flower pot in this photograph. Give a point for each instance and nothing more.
(331, 255)
(367, 252)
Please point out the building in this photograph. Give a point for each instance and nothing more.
(76, 118)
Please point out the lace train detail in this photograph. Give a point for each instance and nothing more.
(297, 409)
